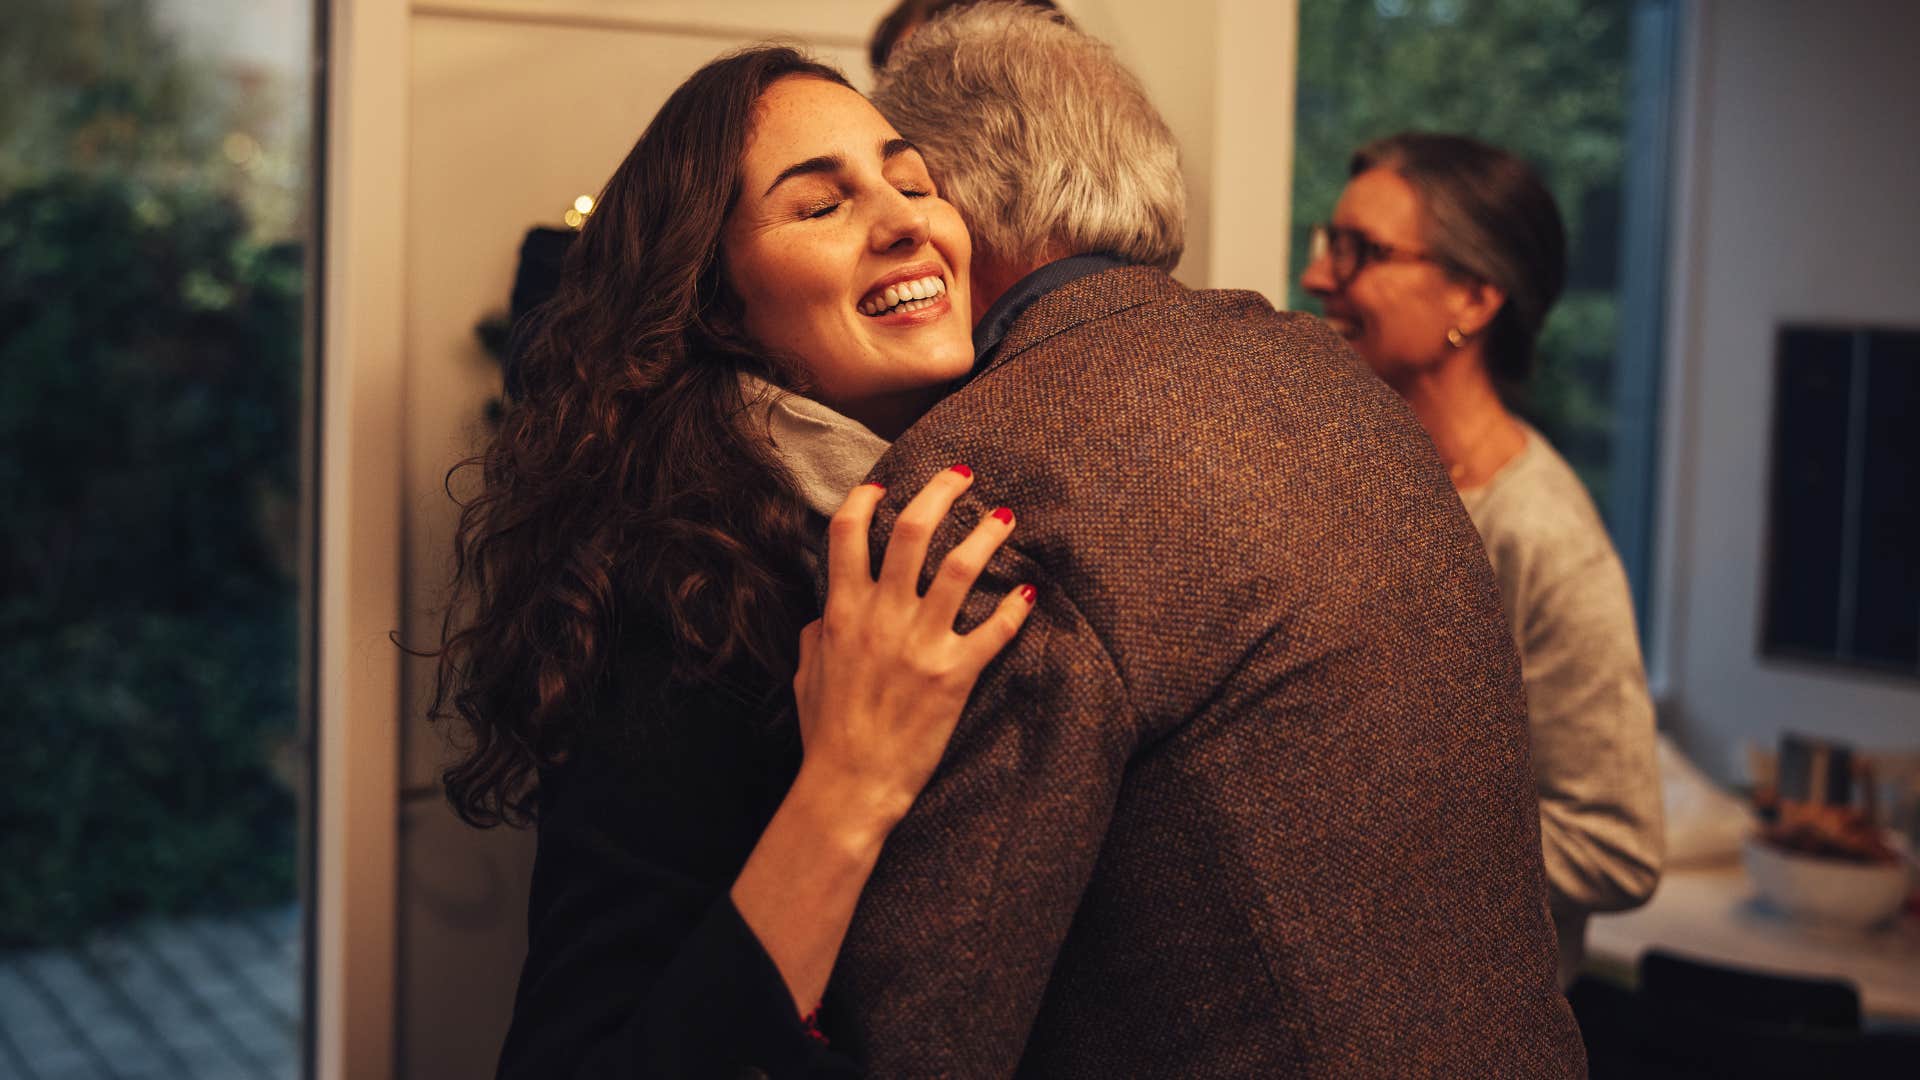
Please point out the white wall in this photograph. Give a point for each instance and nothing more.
(1803, 168)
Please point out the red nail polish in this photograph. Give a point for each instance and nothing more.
(1005, 515)
(1026, 593)
(963, 470)
(871, 484)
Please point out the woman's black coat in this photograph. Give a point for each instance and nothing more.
(638, 964)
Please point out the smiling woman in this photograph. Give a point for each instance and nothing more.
(868, 263)
(768, 279)
(1443, 258)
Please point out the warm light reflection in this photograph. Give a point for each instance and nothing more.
(584, 204)
(241, 149)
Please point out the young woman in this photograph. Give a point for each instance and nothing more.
(1439, 267)
(636, 664)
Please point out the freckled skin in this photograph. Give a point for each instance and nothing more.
(805, 253)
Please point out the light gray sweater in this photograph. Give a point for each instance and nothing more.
(1591, 719)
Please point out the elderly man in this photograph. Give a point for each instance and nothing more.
(1250, 796)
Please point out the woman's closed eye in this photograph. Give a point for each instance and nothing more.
(826, 208)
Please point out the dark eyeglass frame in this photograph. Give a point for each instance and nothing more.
(1349, 251)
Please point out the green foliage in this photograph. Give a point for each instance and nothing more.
(140, 784)
(1546, 79)
(149, 381)
(150, 371)
(94, 84)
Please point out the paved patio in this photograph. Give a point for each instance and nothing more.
(210, 998)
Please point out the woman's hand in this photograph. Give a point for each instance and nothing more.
(883, 678)
(881, 684)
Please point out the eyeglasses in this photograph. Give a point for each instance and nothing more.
(1350, 251)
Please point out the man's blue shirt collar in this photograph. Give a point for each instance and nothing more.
(992, 328)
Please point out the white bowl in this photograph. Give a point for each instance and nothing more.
(1831, 892)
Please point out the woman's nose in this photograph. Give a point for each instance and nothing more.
(902, 224)
(1317, 278)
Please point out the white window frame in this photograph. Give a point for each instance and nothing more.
(357, 678)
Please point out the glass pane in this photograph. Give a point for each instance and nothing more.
(1546, 79)
(155, 193)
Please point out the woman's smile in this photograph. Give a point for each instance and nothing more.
(1341, 320)
(912, 291)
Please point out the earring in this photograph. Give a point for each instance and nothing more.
(1456, 339)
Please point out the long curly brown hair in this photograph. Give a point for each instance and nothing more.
(621, 494)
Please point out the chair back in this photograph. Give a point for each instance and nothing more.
(1673, 982)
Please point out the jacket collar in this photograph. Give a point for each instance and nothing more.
(993, 326)
(1101, 285)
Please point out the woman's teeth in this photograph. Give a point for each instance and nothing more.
(904, 296)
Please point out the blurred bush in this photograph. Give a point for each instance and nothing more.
(150, 387)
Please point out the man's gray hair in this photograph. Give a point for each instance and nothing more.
(1036, 133)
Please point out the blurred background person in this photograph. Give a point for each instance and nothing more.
(1439, 266)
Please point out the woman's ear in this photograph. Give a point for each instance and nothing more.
(720, 310)
(1478, 303)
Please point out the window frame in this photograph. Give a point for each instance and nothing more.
(359, 529)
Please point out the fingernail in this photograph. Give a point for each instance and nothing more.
(871, 484)
(963, 470)
(1005, 515)
(1026, 593)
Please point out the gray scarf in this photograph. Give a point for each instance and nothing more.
(827, 453)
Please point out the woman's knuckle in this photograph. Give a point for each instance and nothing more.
(926, 666)
(960, 568)
(837, 618)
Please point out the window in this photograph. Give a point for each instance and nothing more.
(1581, 88)
(155, 193)
(1842, 584)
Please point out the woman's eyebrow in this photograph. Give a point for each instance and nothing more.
(832, 163)
(813, 166)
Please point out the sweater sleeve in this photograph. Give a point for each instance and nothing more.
(1592, 725)
(638, 964)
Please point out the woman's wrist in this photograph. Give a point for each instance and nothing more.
(854, 817)
(800, 884)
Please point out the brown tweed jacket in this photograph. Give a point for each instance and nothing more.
(1250, 794)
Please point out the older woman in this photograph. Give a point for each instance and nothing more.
(1441, 262)
(634, 576)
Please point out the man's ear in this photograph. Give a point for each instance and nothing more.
(1480, 302)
